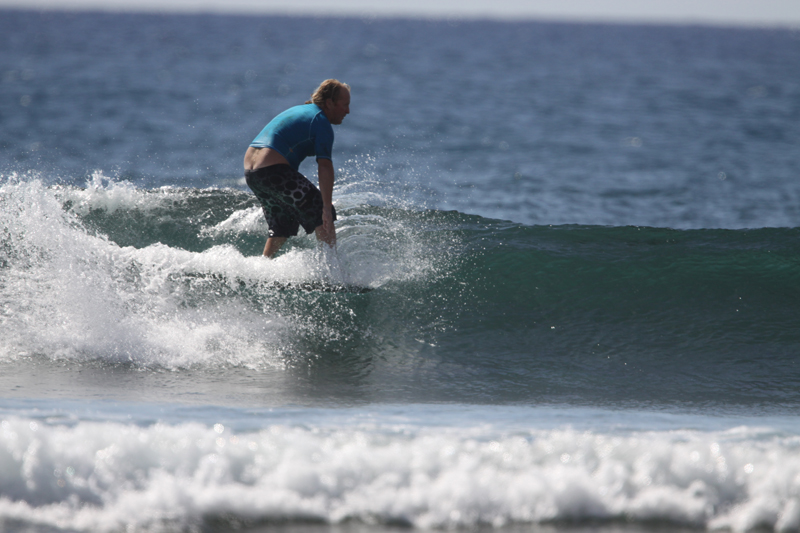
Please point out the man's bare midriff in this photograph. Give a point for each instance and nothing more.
(256, 158)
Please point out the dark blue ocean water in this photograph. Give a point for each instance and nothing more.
(581, 243)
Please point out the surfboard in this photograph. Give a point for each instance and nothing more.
(307, 286)
(321, 286)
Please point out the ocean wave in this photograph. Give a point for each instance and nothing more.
(487, 310)
(105, 476)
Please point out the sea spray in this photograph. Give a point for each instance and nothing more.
(115, 274)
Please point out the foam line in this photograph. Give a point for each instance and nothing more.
(94, 476)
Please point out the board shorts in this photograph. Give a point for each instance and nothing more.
(287, 198)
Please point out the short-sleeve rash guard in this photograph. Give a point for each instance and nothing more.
(297, 133)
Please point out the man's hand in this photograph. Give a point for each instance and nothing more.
(327, 225)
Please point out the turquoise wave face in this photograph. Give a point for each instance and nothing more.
(455, 308)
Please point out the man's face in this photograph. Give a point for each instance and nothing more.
(337, 109)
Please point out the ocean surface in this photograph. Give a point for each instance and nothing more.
(565, 296)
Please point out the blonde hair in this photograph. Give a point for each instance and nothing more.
(327, 90)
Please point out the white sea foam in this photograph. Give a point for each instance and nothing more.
(246, 220)
(102, 192)
(70, 292)
(95, 476)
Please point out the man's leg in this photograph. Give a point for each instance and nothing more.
(273, 245)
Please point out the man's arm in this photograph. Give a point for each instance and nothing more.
(325, 174)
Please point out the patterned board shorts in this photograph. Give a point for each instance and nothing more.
(287, 198)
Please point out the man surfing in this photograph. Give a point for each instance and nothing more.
(272, 161)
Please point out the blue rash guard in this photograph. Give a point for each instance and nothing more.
(297, 133)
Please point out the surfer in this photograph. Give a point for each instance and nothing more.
(272, 161)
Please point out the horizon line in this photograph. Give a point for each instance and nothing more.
(157, 7)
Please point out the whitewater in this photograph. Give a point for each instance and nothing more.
(386, 466)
